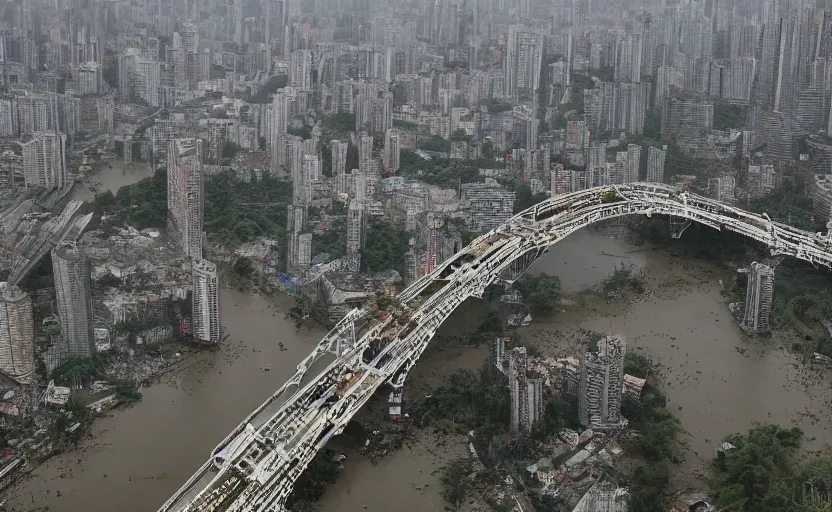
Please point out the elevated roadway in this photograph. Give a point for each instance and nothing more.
(255, 467)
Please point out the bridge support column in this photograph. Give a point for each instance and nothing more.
(678, 225)
(518, 267)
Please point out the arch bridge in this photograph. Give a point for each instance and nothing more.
(255, 467)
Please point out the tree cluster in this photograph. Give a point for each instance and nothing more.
(657, 445)
(81, 371)
(312, 483)
(385, 247)
(788, 204)
(762, 474)
(467, 401)
(525, 199)
(541, 293)
(264, 94)
(141, 205)
(237, 212)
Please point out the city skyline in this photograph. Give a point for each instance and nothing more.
(380, 163)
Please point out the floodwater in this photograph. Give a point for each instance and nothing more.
(137, 457)
(717, 382)
(113, 175)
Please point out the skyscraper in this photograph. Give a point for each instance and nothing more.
(356, 227)
(71, 270)
(17, 334)
(304, 250)
(339, 150)
(392, 149)
(44, 160)
(206, 304)
(633, 163)
(521, 64)
(300, 69)
(277, 130)
(365, 149)
(655, 165)
(185, 195)
(599, 390)
(526, 392)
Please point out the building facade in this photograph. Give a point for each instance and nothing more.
(206, 303)
(526, 392)
(186, 190)
(759, 297)
(73, 295)
(17, 334)
(600, 386)
(655, 165)
(44, 160)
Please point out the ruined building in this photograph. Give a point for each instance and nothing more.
(599, 389)
(759, 297)
(17, 334)
(526, 392)
(496, 358)
(71, 269)
(206, 303)
(186, 190)
(603, 496)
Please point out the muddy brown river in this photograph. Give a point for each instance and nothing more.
(717, 382)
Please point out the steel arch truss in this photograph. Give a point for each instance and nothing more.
(255, 467)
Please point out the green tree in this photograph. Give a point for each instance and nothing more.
(127, 391)
(80, 371)
(560, 413)
(455, 481)
(653, 124)
(750, 476)
(229, 150)
(524, 198)
(242, 267)
(312, 482)
(541, 293)
(385, 247)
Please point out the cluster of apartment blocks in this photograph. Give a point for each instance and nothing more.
(598, 172)
(597, 378)
(34, 150)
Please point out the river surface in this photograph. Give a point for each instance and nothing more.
(718, 382)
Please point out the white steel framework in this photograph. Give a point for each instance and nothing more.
(256, 466)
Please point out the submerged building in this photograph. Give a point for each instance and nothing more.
(759, 297)
(206, 303)
(526, 392)
(17, 334)
(600, 385)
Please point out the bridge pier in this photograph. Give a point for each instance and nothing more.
(678, 225)
(519, 266)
